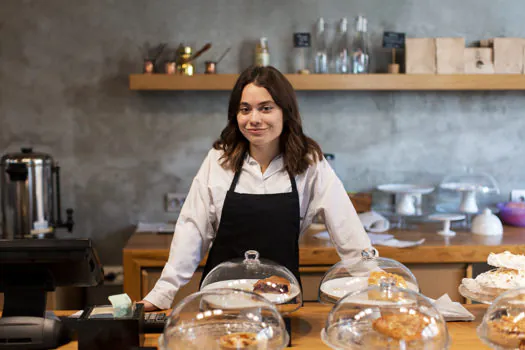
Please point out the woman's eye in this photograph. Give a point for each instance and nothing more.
(244, 110)
(267, 108)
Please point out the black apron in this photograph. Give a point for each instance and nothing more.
(268, 223)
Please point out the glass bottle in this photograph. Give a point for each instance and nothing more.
(321, 51)
(300, 60)
(262, 53)
(360, 51)
(341, 54)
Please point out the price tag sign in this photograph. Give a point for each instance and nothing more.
(301, 40)
(392, 40)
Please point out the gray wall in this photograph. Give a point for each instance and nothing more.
(64, 69)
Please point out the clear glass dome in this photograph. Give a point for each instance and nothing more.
(224, 319)
(348, 276)
(264, 277)
(503, 325)
(385, 317)
(468, 192)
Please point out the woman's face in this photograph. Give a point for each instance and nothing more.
(260, 119)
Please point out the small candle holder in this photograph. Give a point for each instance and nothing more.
(149, 66)
(170, 67)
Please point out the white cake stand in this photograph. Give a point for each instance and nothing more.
(408, 196)
(469, 204)
(446, 218)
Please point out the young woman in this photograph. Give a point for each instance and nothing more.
(258, 188)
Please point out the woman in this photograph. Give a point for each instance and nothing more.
(259, 188)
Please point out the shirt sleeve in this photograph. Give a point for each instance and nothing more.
(191, 240)
(330, 199)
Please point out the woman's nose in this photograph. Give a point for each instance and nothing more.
(255, 116)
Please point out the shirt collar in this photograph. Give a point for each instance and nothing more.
(248, 159)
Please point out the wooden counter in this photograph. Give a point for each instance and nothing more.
(439, 264)
(309, 320)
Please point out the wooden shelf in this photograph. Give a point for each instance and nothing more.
(368, 82)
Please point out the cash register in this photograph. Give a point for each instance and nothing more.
(28, 270)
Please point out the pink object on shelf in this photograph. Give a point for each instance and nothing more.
(512, 213)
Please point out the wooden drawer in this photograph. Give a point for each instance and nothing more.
(150, 276)
(311, 277)
(437, 279)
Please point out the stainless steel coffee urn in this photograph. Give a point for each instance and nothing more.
(30, 189)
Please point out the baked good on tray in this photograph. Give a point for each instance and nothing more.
(273, 285)
(239, 340)
(405, 326)
(507, 331)
(500, 280)
(508, 260)
(375, 279)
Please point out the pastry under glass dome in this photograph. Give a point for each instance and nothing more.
(503, 326)
(401, 319)
(224, 319)
(279, 285)
(348, 276)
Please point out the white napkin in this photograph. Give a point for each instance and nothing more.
(379, 237)
(374, 237)
(373, 222)
(452, 310)
(400, 244)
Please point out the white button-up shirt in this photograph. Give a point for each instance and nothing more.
(320, 192)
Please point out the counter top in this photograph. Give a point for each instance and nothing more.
(465, 247)
(309, 320)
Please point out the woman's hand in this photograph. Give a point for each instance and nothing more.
(148, 307)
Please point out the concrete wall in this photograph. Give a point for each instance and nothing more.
(64, 67)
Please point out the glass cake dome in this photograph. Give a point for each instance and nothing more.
(468, 192)
(274, 282)
(503, 326)
(348, 276)
(385, 317)
(224, 319)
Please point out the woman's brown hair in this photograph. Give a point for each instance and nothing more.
(299, 151)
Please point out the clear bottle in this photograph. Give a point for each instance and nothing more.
(262, 53)
(360, 50)
(321, 50)
(300, 60)
(341, 51)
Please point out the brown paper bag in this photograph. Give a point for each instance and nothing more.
(478, 60)
(450, 55)
(420, 56)
(508, 55)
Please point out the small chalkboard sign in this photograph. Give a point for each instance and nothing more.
(301, 40)
(392, 40)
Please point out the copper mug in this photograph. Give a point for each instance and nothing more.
(210, 67)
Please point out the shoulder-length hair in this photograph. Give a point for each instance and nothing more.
(298, 150)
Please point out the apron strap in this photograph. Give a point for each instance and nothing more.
(235, 179)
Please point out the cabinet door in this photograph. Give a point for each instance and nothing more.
(437, 279)
(150, 275)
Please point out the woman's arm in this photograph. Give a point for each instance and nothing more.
(191, 240)
(330, 199)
